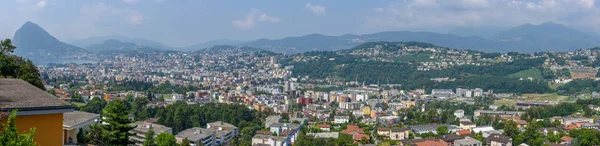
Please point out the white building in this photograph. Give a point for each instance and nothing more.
(178, 97)
(341, 119)
(459, 113)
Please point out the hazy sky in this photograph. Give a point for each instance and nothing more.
(186, 22)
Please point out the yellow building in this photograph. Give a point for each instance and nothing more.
(36, 109)
(366, 110)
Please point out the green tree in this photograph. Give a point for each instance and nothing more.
(10, 136)
(185, 142)
(52, 92)
(94, 106)
(116, 131)
(138, 106)
(165, 139)
(94, 135)
(442, 130)
(76, 97)
(149, 138)
(285, 117)
(554, 138)
(12, 66)
(81, 136)
(6, 46)
(235, 141)
(511, 129)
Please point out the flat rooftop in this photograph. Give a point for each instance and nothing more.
(18, 94)
(74, 118)
(195, 133)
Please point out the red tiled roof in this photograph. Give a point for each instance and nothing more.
(353, 129)
(358, 137)
(323, 125)
(463, 132)
(432, 143)
(566, 139)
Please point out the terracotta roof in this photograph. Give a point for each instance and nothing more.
(566, 139)
(323, 125)
(521, 122)
(358, 137)
(260, 132)
(432, 142)
(571, 126)
(353, 129)
(463, 132)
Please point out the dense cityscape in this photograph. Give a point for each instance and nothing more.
(520, 84)
(285, 108)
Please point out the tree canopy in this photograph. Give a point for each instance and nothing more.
(116, 131)
(10, 136)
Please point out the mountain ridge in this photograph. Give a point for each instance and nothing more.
(38, 45)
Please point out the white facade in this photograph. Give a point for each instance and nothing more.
(341, 119)
(459, 113)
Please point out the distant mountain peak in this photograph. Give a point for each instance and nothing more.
(37, 44)
(33, 27)
(551, 23)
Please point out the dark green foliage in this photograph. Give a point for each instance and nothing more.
(531, 136)
(76, 98)
(94, 135)
(186, 142)
(6, 46)
(149, 138)
(353, 68)
(9, 135)
(165, 139)
(116, 131)
(165, 88)
(12, 66)
(563, 73)
(585, 137)
(94, 106)
(81, 136)
(511, 129)
(579, 86)
(562, 109)
(442, 130)
(138, 106)
(579, 58)
(181, 116)
(305, 140)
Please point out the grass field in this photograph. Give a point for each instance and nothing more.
(554, 86)
(533, 72)
(506, 102)
(544, 97)
(78, 104)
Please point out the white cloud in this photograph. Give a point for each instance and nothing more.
(101, 12)
(130, 1)
(419, 14)
(41, 4)
(250, 20)
(318, 10)
(265, 17)
(136, 19)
